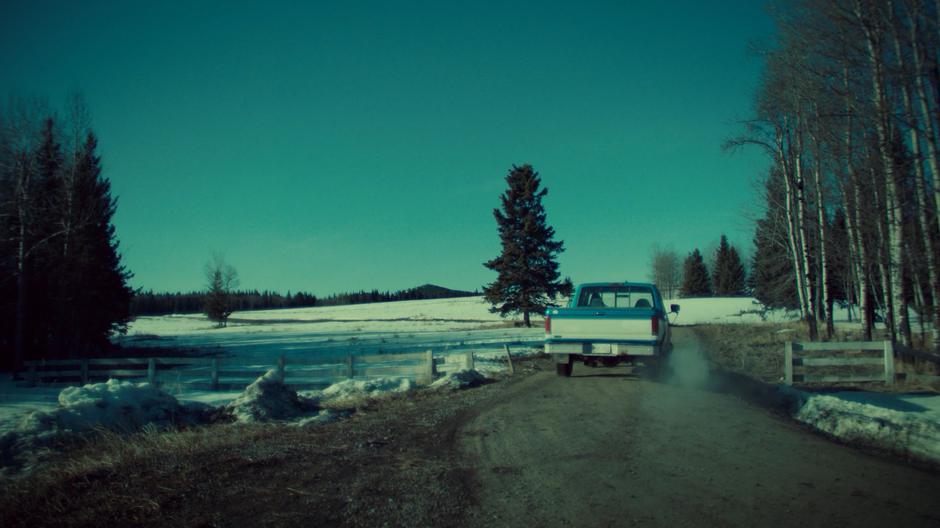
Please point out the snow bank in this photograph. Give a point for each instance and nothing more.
(115, 405)
(354, 389)
(268, 398)
(910, 434)
(460, 379)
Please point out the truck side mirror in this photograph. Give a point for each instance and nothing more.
(674, 308)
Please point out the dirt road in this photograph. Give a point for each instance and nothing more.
(609, 447)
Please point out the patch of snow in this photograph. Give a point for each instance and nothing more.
(268, 398)
(460, 379)
(371, 388)
(893, 423)
(114, 405)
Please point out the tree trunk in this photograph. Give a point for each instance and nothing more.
(525, 318)
(792, 231)
(893, 233)
(864, 265)
(800, 184)
(914, 122)
(821, 227)
(926, 65)
(853, 216)
(19, 340)
(881, 249)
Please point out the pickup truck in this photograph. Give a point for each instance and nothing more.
(608, 323)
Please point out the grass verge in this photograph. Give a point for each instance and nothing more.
(757, 351)
(389, 464)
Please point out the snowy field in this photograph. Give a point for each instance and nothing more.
(390, 326)
(443, 325)
(364, 328)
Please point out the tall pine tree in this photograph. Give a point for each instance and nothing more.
(94, 288)
(71, 289)
(528, 278)
(695, 281)
(728, 275)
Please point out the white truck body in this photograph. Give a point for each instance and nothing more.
(609, 323)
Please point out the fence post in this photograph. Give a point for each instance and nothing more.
(280, 367)
(512, 368)
(84, 371)
(349, 365)
(429, 366)
(151, 370)
(889, 362)
(215, 373)
(470, 364)
(788, 363)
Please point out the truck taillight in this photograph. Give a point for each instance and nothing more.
(654, 324)
(548, 324)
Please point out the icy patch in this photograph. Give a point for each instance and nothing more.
(910, 434)
(460, 379)
(115, 405)
(268, 398)
(350, 389)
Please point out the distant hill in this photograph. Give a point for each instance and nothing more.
(433, 291)
(425, 291)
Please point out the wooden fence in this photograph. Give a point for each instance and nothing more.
(217, 373)
(840, 357)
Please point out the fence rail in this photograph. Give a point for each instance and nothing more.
(885, 360)
(216, 373)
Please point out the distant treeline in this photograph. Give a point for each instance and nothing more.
(150, 303)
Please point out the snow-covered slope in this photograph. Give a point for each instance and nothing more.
(402, 316)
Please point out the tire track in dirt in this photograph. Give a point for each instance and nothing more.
(608, 447)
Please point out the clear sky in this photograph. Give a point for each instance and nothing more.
(331, 146)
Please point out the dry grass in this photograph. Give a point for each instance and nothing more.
(391, 463)
(757, 351)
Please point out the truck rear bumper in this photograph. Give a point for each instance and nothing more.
(561, 350)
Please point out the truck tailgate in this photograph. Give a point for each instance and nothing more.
(613, 325)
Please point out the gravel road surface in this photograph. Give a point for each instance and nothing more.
(611, 447)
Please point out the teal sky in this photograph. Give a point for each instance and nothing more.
(331, 146)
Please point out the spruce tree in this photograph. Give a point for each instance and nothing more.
(695, 281)
(221, 280)
(72, 289)
(528, 279)
(771, 277)
(728, 275)
(97, 283)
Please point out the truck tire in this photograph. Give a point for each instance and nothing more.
(564, 369)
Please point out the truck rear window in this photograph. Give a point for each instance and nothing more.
(615, 297)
